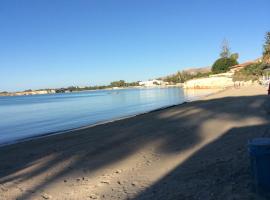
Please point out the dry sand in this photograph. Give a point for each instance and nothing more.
(192, 151)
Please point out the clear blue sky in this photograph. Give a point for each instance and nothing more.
(57, 43)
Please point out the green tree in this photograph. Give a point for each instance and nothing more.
(222, 65)
(226, 59)
(133, 84)
(266, 49)
(234, 56)
(120, 83)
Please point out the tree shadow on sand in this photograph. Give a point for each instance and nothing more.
(224, 169)
(220, 170)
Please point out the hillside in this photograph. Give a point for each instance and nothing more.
(196, 70)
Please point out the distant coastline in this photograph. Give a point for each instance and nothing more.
(80, 89)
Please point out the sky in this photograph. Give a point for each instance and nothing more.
(59, 43)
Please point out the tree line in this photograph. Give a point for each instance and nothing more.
(120, 83)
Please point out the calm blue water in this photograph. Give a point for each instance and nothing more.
(27, 116)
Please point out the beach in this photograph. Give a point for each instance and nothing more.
(197, 150)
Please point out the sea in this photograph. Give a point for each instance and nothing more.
(25, 117)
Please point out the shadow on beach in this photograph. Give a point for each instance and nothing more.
(219, 169)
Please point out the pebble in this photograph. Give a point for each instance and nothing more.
(46, 196)
(4, 189)
(93, 196)
(134, 183)
(105, 182)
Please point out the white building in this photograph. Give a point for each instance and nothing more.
(152, 83)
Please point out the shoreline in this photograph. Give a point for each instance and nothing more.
(45, 135)
(67, 131)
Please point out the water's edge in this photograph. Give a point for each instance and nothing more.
(31, 138)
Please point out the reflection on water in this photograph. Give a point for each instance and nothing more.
(27, 116)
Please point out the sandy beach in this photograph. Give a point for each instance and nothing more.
(196, 150)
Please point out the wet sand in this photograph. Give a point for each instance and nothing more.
(192, 151)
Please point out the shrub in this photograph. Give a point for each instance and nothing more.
(181, 77)
(251, 72)
(120, 83)
(223, 64)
